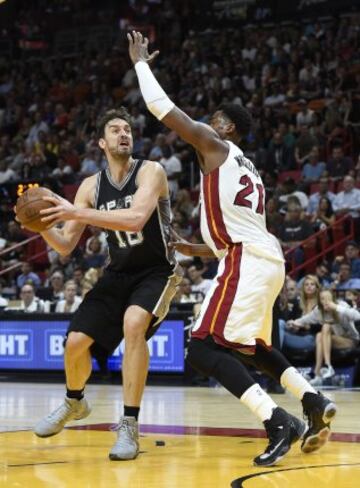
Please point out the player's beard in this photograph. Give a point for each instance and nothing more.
(120, 153)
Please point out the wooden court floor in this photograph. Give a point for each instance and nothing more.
(210, 440)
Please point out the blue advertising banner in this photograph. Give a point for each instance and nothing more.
(38, 345)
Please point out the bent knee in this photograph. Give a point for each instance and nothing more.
(135, 329)
(77, 342)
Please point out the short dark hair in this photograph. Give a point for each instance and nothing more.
(239, 116)
(114, 113)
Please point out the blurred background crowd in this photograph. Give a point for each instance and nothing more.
(63, 63)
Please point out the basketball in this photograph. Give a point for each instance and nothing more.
(28, 208)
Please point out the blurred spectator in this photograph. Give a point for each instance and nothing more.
(351, 256)
(344, 280)
(305, 142)
(90, 278)
(6, 173)
(172, 165)
(198, 283)
(314, 168)
(27, 276)
(57, 286)
(305, 116)
(70, 303)
(280, 157)
(352, 298)
(293, 231)
(348, 200)
(3, 301)
(186, 295)
(293, 193)
(95, 258)
(324, 216)
(30, 302)
(97, 234)
(323, 192)
(183, 203)
(38, 126)
(273, 216)
(338, 165)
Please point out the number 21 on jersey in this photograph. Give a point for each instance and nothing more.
(242, 199)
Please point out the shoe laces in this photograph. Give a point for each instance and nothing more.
(62, 413)
(124, 426)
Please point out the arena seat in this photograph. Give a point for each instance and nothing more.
(293, 174)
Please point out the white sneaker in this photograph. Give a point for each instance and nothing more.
(127, 443)
(317, 381)
(70, 409)
(327, 372)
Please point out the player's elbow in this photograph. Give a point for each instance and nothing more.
(137, 223)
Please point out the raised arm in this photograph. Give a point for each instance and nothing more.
(202, 137)
(152, 185)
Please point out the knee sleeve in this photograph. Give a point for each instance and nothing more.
(269, 361)
(200, 358)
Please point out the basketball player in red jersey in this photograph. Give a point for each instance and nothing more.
(237, 311)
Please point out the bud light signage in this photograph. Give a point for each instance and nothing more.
(38, 344)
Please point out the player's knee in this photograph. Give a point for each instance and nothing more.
(201, 357)
(134, 330)
(76, 343)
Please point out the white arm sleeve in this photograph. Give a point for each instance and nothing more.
(158, 103)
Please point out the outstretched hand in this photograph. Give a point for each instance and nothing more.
(138, 48)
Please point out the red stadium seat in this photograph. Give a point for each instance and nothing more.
(294, 174)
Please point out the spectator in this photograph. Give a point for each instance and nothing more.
(3, 301)
(186, 295)
(6, 173)
(70, 302)
(57, 286)
(351, 256)
(280, 157)
(98, 234)
(305, 116)
(324, 215)
(338, 165)
(344, 280)
(352, 298)
(172, 165)
(294, 229)
(27, 276)
(95, 259)
(38, 126)
(338, 331)
(292, 193)
(323, 192)
(30, 302)
(348, 200)
(313, 169)
(291, 335)
(273, 217)
(304, 144)
(199, 284)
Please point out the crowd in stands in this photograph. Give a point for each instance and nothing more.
(301, 83)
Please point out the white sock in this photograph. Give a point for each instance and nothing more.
(292, 380)
(259, 402)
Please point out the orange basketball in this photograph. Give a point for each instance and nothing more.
(28, 208)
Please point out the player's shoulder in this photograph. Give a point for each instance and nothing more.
(151, 167)
(86, 190)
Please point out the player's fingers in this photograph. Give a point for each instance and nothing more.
(153, 55)
(50, 210)
(130, 39)
(52, 199)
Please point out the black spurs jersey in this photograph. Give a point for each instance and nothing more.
(134, 250)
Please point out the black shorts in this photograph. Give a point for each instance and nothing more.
(101, 314)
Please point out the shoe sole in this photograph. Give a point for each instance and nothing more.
(317, 441)
(114, 457)
(44, 436)
(272, 463)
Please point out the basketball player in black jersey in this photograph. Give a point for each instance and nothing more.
(130, 199)
(208, 354)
